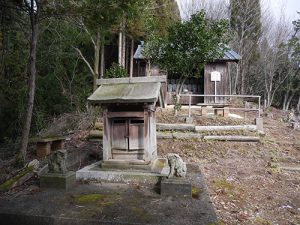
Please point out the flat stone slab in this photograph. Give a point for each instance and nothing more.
(57, 180)
(179, 187)
(95, 172)
(107, 203)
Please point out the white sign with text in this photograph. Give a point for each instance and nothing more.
(215, 76)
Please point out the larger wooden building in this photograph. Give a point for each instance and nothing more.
(215, 79)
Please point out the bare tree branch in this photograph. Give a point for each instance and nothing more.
(84, 59)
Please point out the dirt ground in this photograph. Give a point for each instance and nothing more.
(245, 180)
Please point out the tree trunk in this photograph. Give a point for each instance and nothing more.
(236, 79)
(243, 81)
(178, 91)
(131, 58)
(289, 101)
(120, 48)
(298, 104)
(31, 86)
(285, 101)
(123, 54)
(96, 61)
(122, 45)
(102, 61)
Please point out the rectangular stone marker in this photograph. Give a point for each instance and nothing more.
(259, 124)
(203, 111)
(58, 180)
(179, 187)
(226, 111)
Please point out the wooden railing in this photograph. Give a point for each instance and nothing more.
(255, 97)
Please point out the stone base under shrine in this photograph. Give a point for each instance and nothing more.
(121, 171)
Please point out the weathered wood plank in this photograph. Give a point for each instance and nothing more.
(125, 114)
(179, 135)
(290, 168)
(47, 139)
(164, 135)
(199, 136)
(232, 138)
(226, 128)
(187, 136)
(164, 126)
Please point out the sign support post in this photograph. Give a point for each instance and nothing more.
(215, 76)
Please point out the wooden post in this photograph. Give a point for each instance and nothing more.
(131, 58)
(146, 134)
(106, 137)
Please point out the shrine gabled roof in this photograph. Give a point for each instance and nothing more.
(147, 92)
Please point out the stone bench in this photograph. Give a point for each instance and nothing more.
(45, 145)
(219, 111)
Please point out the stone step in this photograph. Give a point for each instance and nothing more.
(241, 138)
(95, 172)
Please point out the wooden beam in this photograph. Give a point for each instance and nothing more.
(232, 138)
(164, 126)
(212, 138)
(125, 114)
(225, 128)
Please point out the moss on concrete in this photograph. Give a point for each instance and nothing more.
(141, 214)
(88, 198)
(9, 183)
(196, 192)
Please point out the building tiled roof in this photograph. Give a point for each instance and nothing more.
(229, 55)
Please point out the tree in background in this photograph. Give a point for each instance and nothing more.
(13, 62)
(245, 22)
(291, 87)
(33, 9)
(99, 19)
(215, 10)
(188, 46)
(103, 20)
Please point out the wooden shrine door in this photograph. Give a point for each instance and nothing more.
(127, 138)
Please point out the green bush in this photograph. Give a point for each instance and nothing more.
(116, 71)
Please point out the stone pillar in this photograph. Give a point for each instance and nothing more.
(203, 111)
(259, 122)
(226, 111)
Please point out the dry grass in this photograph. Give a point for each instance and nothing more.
(245, 181)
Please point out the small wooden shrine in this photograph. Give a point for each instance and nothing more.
(129, 127)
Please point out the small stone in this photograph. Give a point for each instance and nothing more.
(35, 164)
(161, 166)
(98, 126)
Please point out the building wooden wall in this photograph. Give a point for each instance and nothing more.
(222, 86)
